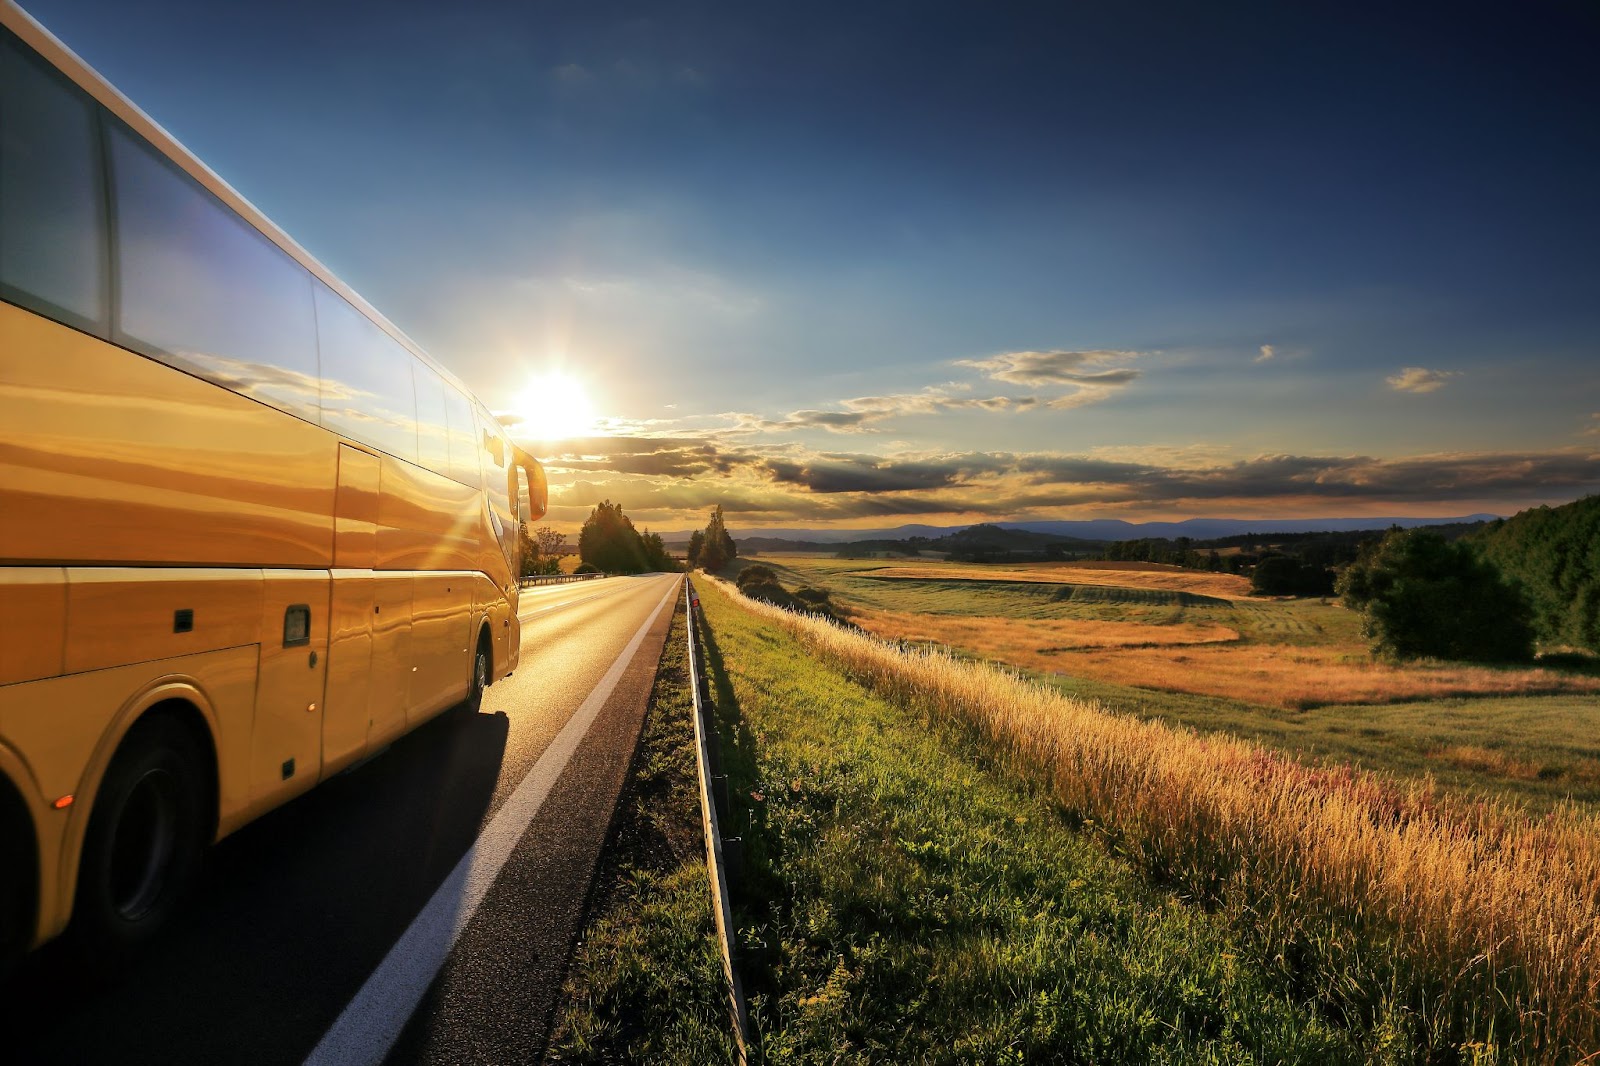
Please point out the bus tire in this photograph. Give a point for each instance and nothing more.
(482, 664)
(19, 878)
(142, 853)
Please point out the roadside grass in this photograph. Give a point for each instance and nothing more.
(1435, 929)
(907, 901)
(645, 983)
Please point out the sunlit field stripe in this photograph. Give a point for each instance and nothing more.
(1479, 921)
(373, 1019)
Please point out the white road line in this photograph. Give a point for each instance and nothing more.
(370, 1023)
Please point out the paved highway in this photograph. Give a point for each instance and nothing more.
(417, 910)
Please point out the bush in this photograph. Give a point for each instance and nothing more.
(755, 575)
(588, 568)
(1422, 595)
(1284, 575)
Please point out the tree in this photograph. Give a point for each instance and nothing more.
(552, 543)
(1554, 554)
(656, 556)
(718, 550)
(609, 542)
(1284, 575)
(697, 543)
(1422, 595)
(537, 561)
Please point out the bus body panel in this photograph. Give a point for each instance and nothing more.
(122, 615)
(389, 682)
(108, 457)
(286, 739)
(355, 530)
(441, 613)
(33, 623)
(346, 716)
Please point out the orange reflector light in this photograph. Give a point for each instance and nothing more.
(311, 706)
(63, 803)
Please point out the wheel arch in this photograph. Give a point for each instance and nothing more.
(177, 698)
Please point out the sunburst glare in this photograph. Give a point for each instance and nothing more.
(555, 405)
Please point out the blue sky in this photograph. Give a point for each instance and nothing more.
(858, 264)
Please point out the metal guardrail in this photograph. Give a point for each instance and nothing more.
(706, 758)
(558, 579)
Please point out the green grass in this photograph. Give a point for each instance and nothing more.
(905, 902)
(645, 983)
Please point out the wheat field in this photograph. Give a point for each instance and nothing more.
(1485, 919)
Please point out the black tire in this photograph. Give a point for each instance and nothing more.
(19, 873)
(142, 854)
(481, 663)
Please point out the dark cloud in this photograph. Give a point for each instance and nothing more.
(677, 478)
(656, 456)
(864, 473)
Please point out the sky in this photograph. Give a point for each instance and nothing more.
(859, 265)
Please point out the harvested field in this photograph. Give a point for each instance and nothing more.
(1034, 644)
(1126, 575)
(1300, 677)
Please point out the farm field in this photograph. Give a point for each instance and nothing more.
(1291, 673)
(885, 783)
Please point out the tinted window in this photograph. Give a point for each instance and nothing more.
(367, 389)
(433, 437)
(203, 290)
(464, 465)
(52, 202)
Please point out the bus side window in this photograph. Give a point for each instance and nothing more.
(433, 434)
(464, 463)
(203, 290)
(367, 389)
(53, 244)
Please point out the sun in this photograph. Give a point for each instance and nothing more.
(555, 405)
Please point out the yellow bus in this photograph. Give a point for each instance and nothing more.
(249, 532)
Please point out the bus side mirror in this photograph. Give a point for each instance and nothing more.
(538, 487)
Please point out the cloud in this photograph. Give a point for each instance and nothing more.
(1037, 369)
(1593, 428)
(834, 473)
(860, 412)
(1420, 379)
(1267, 352)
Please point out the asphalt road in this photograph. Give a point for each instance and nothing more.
(420, 909)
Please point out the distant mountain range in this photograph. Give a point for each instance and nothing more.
(1101, 529)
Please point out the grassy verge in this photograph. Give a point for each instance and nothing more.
(904, 902)
(645, 983)
(1430, 928)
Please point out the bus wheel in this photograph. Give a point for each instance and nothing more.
(142, 851)
(480, 678)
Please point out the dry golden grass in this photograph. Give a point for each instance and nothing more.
(1115, 575)
(1487, 920)
(1208, 660)
(1293, 677)
(1034, 644)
